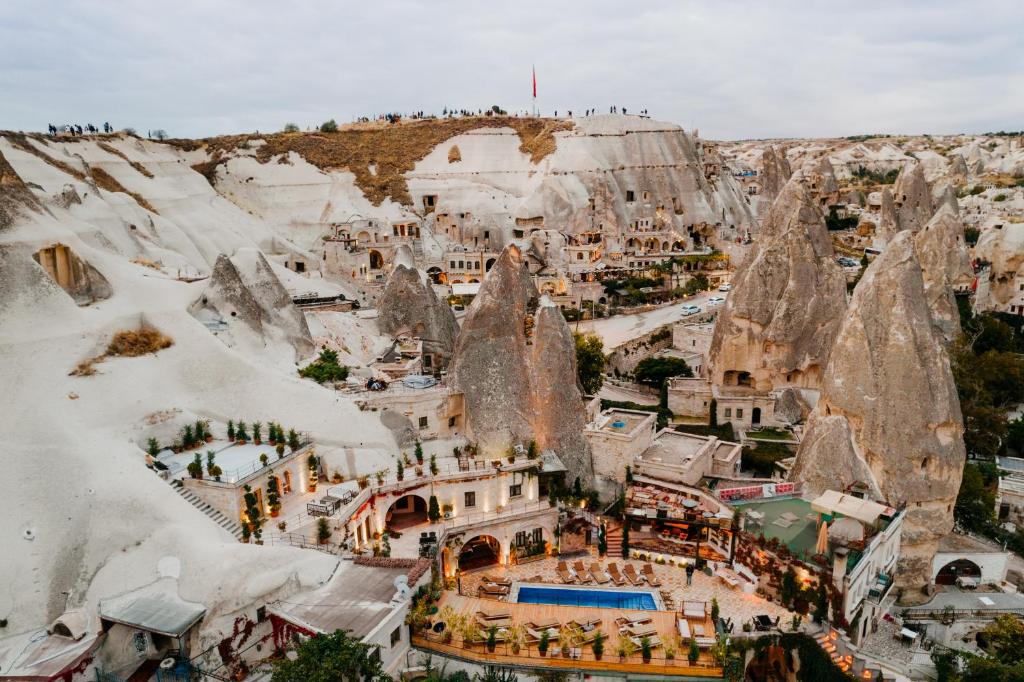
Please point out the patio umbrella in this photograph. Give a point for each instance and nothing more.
(822, 545)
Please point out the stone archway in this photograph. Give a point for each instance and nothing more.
(959, 568)
(376, 260)
(489, 264)
(480, 551)
(406, 512)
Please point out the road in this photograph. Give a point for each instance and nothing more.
(615, 331)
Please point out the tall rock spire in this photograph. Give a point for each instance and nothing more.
(787, 301)
(942, 252)
(888, 416)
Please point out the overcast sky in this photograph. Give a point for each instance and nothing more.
(732, 69)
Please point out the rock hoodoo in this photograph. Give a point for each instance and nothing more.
(888, 416)
(788, 298)
(775, 172)
(246, 296)
(942, 252)
(409, 305)
(515, 363)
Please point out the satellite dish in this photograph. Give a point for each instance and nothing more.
(167, 663)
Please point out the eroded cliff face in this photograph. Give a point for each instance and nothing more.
(888, 415)
(515, 364)
(245, 296)
(787, 301)
(942, 252)
(410, 305)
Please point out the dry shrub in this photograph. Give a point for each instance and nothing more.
(454, 154)
(391, 150)
(145, 262)
(86, 368)
(134, 342)
(105, 180)
(116, 152)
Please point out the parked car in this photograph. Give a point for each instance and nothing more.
(691, 310)
(715, 300)
(725, 287)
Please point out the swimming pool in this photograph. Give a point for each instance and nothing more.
(568, 596)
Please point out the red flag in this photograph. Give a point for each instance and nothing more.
(535, 82)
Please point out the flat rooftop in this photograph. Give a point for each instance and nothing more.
(621, 421)
(674, 448)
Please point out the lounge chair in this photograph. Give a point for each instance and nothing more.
(613, 573)
(492, 617)
(565, 574)
(631, 575)
(639, 630)
(653, 640)
(587, 625)
(652, 579)
(695, 609)
(496, 581)
(549, 624)
(598, 574)
(493, 590)
(581, 572)
(622, 621)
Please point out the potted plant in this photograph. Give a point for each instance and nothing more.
(257, 433)
(207, 434)
(470, 633)
(715, 611)
(492, 638)
(419, 472)
(271, 433)
(400, 470)
(380, 476)
(293, 440)
(516, 637)
(280, 450)
(694, 652)
(210, 455)
(241, 436)
(216, 472)
(626, 648)
(670, 651)
(433, 465)
(598, 646)
(264, 459)
(312, 463)
(545, 641)
(187, 439)
(645, 648)
(323, 531)
(282, 526)
(418, 452)
(195, 467)
(363, 481)
(231, 430)
(433, 510)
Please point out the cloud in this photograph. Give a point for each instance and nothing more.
(734, 69)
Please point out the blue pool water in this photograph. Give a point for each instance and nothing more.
(611, 599)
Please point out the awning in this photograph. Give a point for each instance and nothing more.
(835, 502)
(162, 613)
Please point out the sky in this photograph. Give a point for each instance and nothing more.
(732, 69)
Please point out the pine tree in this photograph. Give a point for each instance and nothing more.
(419, 452)
(433, 509)
(231, 430)
(625, 540)
(153, 447)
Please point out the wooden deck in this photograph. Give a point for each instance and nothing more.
(663, 621)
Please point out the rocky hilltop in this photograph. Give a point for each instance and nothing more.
(515, 363)
(788, 300)
(410, 305)
(888, 416)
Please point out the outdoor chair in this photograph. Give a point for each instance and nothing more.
(613, 573)
(631, 575)
(598, 574)
(652, 579)
(581, 572)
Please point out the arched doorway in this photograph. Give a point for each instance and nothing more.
(755, 416)
(961, 568)
(479, 552)
(488, 265)
(407, 511)
(376, 260)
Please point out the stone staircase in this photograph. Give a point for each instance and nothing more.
(230, 525)
(613, 538)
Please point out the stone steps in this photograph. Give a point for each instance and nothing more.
(218, 517)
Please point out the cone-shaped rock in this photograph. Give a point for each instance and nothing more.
(410, 305)
(913, 199)
(888, 415)
(775, 172)
(889, 222)
(942, 252)
(787, 301)
(515, 365)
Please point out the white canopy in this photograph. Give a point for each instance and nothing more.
(835, 502)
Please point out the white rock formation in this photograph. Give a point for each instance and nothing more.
(942, 252)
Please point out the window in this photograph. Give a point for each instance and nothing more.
(396, 636)
(470, 499)
(452, 421)
(453, 265)
(739, 413)
(261, 614)
(487, 234)
(515, 490)
(423, 422)
(630, 196)
(462, 265)
(375, 655)
(579, 256)
(728, 412)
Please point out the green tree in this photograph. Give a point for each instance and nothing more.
(590, 362)
(240, 432)
(291, 128)
(433, 510)
(625, 539)
(790, 587)
(293, 440)
(656, 371)
(329, 126)
(231, 430)
(325, 368)
(330, 658)
(419, 452)
(975, 503)
(323, 530)
(433, 465)
(153, 447)
(696, 284)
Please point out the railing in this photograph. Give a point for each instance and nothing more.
(466, 520)
(940, 614)
(449, 470)
(582, 658)
(241, 473)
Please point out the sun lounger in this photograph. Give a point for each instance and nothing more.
(581, 572)
(598, 574)
(548, 624)
(565, 574)
(638, 630)
(493, 590)
(652, 640)
(492, 617)
(533, 635)
(684, 628)
(652, 579)
(613, 573)
(586, 626)
(497, 581)
(631, 575)
(622, 621)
